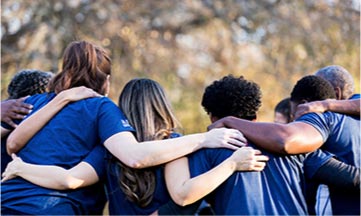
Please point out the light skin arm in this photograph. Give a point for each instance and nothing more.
(350, 107)
(30, 126)
(126, 148)
(291, 138)
(185, 190)
(52, 177)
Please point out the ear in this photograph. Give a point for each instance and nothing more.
(338, 92)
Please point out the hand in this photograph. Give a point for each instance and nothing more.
(249, 159)
(315, 106)
(12, 168)
(217, 124)
(78, 93)
(224, 138)
(14, 109)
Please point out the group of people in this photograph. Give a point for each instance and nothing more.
(77, 149)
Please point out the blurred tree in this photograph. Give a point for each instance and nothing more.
(187, 44)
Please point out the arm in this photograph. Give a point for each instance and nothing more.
(185, 190)
(126, 148)
(52, 177)
(14, 109)
(291, 138)
(350, 107)
(30, 126)
(338, 174)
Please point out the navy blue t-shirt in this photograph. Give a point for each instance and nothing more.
(277, 190)
(118, 202)
(341, 134)
(66, 140)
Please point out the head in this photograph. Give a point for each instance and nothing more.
(310, 88)
(147, 109)
(340, 79)
(28, 82)
(84, 64)
(282, 111)
(232, 96)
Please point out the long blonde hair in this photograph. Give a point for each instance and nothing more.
(147, 109)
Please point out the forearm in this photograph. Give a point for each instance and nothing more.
(52, 177)
(350, 107)
(151, 153)
(198, 187)
(30, 126)
(338, 174)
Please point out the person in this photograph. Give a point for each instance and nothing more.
(333, 132)
(346, 101)
(88, 65)
(282, 111)
(278, 189)
(24, 83)
(130, 191)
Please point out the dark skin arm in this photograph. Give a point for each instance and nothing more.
(350, 107)
(14, 109)
(292, 138)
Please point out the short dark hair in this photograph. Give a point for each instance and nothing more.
(312, 88)
(231, 96)
(28, 82)
(284, 107)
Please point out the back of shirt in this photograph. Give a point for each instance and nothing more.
(341, 134)
(277, 190)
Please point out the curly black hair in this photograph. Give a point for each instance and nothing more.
(231, 96)
(312, 88)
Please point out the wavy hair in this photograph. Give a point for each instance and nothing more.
(84, 64)
(147, 109)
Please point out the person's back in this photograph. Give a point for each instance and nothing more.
(24, 83)
(65, 149)
(277, 190)
(339, 132)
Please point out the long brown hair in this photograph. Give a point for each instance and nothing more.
(84, 64)
(147, 109)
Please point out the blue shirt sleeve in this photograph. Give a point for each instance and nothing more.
(314, 161)
(355, 96)
(111, 120)
(96, 158)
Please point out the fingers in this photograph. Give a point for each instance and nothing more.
(261, 158)
(9, 121)
(13, 156)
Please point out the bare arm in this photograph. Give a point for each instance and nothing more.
(350, 107)
(30, 126)
(52, 177)
(126, 148)
(291, 138)
(185, 190)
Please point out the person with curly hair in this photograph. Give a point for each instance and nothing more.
(25, 83)
(333, 132)
(277, 190)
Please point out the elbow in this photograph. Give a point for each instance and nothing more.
(135, 163)
(181, 200)
(70, 183)
(11, 145)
